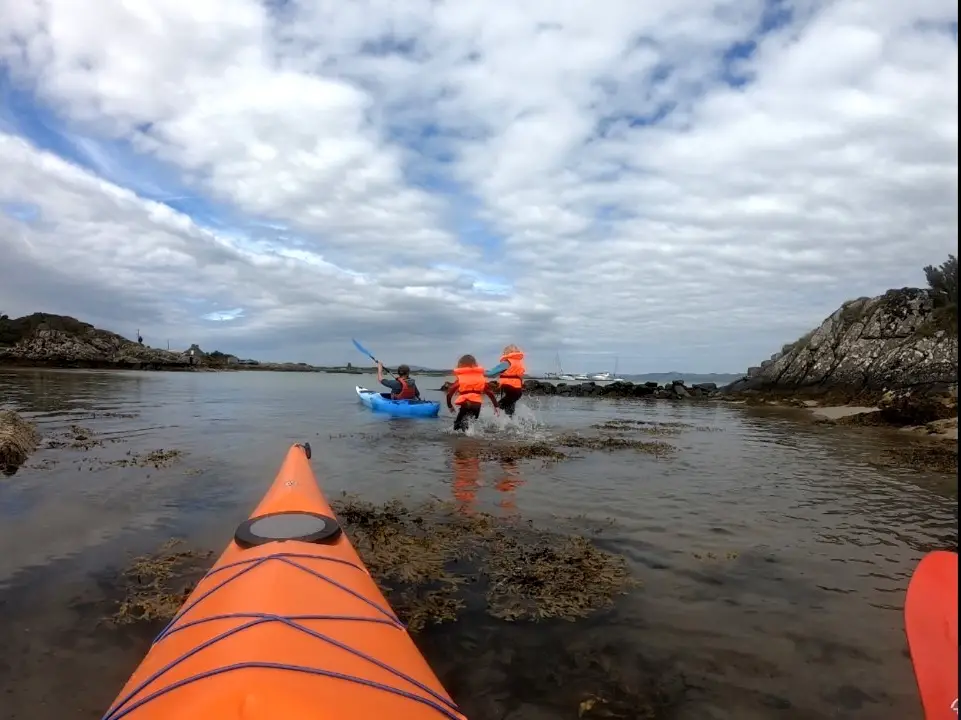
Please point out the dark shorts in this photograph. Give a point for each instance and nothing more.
(465, 413)
(508, 399)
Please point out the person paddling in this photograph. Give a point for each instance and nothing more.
(402, 388)
(470, 388)
(510, 373)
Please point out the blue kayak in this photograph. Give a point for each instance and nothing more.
(398, 408)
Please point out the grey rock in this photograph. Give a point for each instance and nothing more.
(873, 344)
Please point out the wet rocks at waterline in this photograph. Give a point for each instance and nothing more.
(675, 390)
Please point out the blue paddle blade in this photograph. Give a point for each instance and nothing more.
(362, 349)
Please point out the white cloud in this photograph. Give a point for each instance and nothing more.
(683, 184)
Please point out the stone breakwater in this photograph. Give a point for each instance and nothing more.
(675, 390)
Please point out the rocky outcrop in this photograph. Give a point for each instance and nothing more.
(898, 342)
(43, 340)
(18, 438)
(61, 341)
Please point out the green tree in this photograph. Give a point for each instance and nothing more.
(943, 281)
(943, 284)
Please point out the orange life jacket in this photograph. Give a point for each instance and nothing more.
(513, 376)
(471, 384)
(407, 391)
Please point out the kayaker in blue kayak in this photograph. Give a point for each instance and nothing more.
(402, 388)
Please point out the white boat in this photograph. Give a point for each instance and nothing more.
(563, 376)
(559, 374)
(607, 376)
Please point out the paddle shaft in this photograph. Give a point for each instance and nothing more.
(370, 355)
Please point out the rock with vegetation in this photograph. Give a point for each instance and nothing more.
(18, 438)
(48, 340)
(905, 339)
(44, 340)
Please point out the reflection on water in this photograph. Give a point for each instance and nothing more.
(469, 478)
(467, 471)
(773, 556)
(510, 479)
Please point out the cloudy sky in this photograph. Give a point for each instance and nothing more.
(681, 184)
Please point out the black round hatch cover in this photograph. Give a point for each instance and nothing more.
(281, 526)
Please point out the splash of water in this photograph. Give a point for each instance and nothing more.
(524, 425)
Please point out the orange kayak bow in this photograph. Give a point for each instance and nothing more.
(931, 624)
(287, 625)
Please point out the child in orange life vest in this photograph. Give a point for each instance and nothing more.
(510, 372)
(470, 387)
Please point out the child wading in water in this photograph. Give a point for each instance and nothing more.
(510, 373)
(470, 388)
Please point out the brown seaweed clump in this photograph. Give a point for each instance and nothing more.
(429, 559)
(155, 458)
(77, 437)
(155, 586)
(512, 452)
(939, 456)
(651, 427)
(657, 448)
(641, 426)
(568, 578)
(18, 438)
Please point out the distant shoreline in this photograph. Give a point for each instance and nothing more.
(206, 366)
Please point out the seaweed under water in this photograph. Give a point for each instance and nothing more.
(425, 556)
(155, 586)
(489, 599)
(560, 447)
(939, 456)
(657, 448)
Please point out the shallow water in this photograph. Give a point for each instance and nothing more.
(773, 556)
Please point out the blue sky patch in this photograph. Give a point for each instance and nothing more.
(23, 211)
(224, 315)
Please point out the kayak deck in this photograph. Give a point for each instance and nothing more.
(931, 625)
(287, 624)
